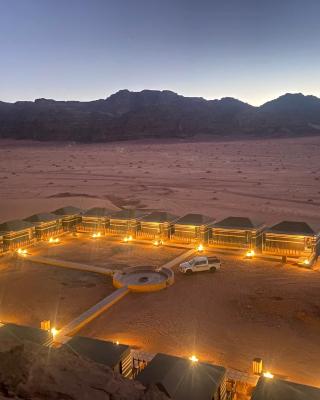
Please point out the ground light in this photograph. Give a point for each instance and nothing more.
(127, 239)
(54, 332)
(268, 375)
(54, 240)
(96, 234)
(22, 252)
(200, 247)
(193, 359)
(250, 254)
(157, 242)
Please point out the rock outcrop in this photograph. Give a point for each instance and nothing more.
(29, 371)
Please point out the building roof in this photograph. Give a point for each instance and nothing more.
(98, 212)
(20, 332)
(100, 351)
(41, 217)
(278, 389)
(158, 217)
(68, 210)
(128, 213)
(15, 226)
(237, 223)
(180, 379)
(194, 219)
(293, 228)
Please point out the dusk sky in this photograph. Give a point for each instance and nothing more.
(75, 49)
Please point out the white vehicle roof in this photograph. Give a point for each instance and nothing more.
(200, 259)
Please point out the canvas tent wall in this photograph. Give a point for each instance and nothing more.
(180, 379)
(192, 228)
(1, 244)
(46, 225)
(126, 221)
(95, 220)
(157, 225)
(115, 356)
(16, 234)
(292, 239)
(71, 217)
(274, 389)
(237, 232)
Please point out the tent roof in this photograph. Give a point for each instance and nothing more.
(15, 226)
(68, 210)
(180, 379)
(159, 216)
(100, 351)
(41, 217)
(274, 389)
(31, 334)
(238, 223)
(292, 227)
(128, 213)
(194, 219)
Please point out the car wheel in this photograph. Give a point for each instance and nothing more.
(213, 269)
(188, 271)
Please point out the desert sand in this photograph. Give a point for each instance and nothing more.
(106, 253)
(30, 293)
(266, 179)
(247, 309)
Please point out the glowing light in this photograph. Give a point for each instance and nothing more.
(54, 332)
(117, 342)
(268, 375)
(157, 242)
(96, 234)
(22, 252)
(193, 358)
(250, 253)
(306, 262)
(127, 238)
(200, 247)
(54, 240)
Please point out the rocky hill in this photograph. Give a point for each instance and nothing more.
(156, 114)
(29, 371)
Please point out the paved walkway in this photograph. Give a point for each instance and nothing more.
(71, 265)
(179, 259)
(92, 313)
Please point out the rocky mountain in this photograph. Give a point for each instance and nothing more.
(156, 114)
(29, 371)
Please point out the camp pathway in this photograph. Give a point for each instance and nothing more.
(98, 270)
(93, 312)
(71, 265)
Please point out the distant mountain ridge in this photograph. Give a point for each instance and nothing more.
(157, 114)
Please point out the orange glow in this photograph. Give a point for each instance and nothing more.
(250, 253)
(193, 358)
(96, 235)
(200, 247)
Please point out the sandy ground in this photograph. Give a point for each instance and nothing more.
(106, 253)
(30, 293)
(246, 310)
(268, 179)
